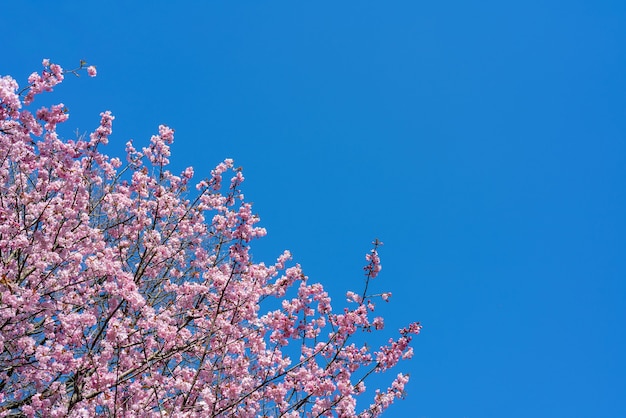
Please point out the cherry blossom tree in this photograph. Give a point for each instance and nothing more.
(126, 290)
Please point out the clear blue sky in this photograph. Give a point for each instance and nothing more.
(484, 142)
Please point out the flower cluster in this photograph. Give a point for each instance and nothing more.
(122, 293)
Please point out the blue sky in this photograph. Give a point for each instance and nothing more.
(483, 142)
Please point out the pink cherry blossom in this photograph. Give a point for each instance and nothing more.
(125, 291)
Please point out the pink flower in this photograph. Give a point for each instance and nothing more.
(91, 70)
(378, 322)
